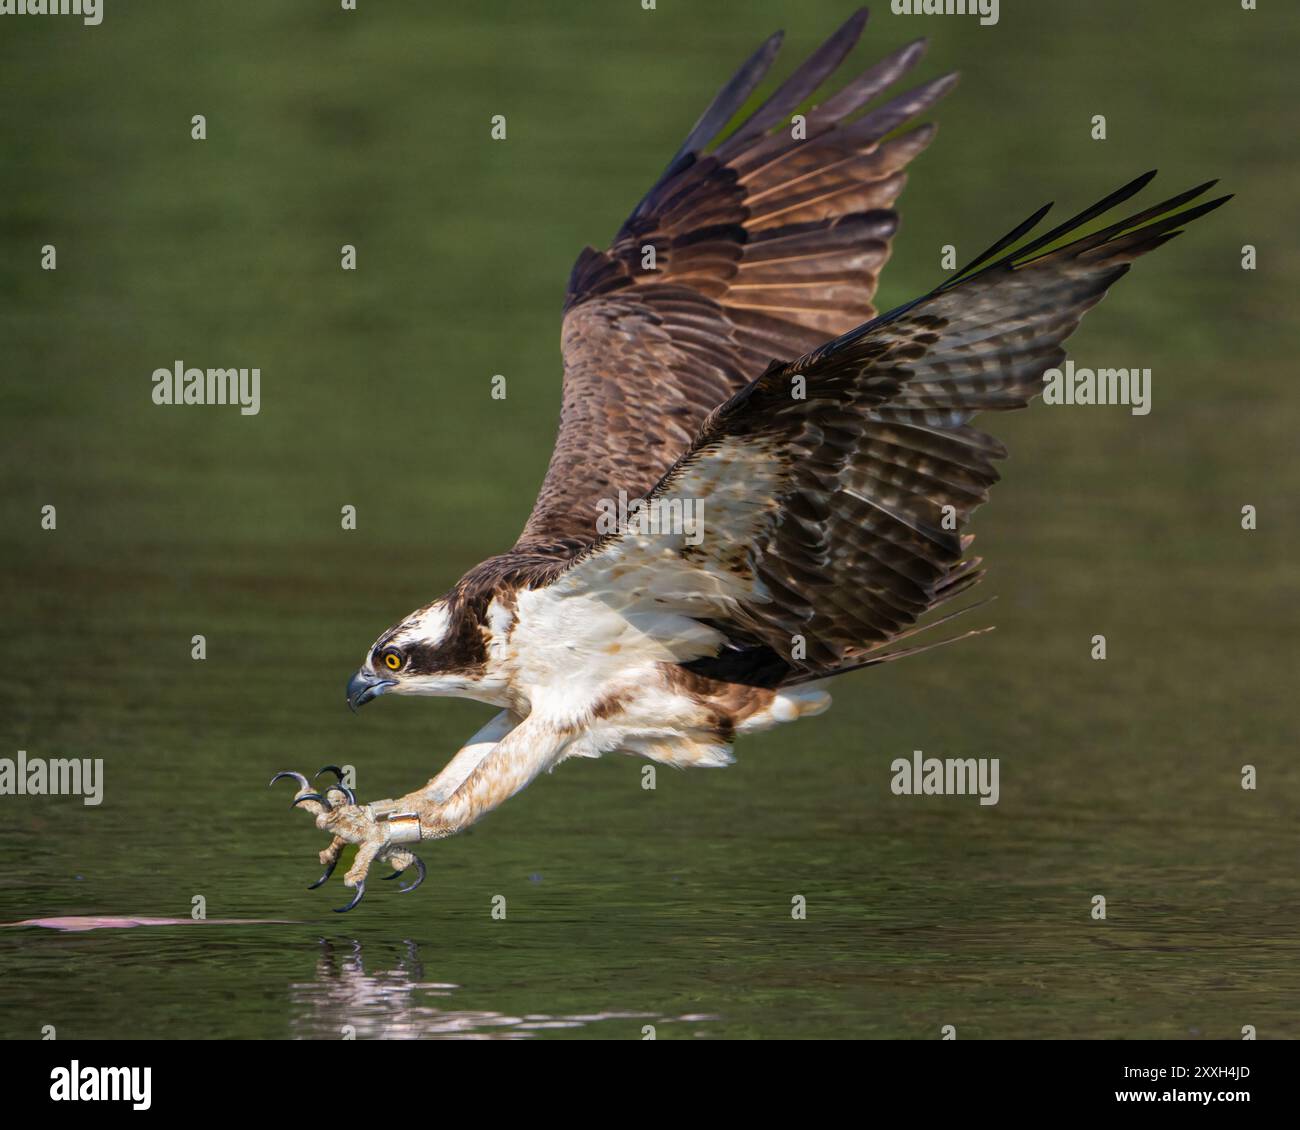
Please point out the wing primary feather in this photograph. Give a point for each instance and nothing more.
(1154, 211)
(725, 104)
(1006, 241)
(1022, 256)
(884, 119)
(1104, 205)
(1115, 234)
(870, 83)
(805, 81)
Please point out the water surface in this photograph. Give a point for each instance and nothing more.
(624, 907)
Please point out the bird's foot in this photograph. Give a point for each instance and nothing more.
(380, 831)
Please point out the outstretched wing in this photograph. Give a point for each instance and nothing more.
(823, 486)
(761, 249)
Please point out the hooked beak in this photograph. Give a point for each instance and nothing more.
(363, 686)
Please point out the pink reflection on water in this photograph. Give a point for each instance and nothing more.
(75, 923)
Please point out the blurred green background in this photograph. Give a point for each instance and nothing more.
(626, 907)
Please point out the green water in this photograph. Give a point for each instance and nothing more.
(625, 907)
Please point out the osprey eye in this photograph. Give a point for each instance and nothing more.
(392, 660)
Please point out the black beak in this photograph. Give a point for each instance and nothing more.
(363, 686)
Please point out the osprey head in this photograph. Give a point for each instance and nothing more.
(437, 650)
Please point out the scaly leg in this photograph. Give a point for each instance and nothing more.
(381, 828)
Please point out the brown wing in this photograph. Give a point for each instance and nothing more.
(822, 486)
(763, 248)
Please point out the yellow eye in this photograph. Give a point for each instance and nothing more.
(392, 660)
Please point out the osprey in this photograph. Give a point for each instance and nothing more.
(723, 361)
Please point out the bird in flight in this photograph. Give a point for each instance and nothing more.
(800, 467)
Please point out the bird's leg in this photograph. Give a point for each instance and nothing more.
(441, 787)
(381, 828)
(500, 772)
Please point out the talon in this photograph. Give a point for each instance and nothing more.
(328, 872)
(347, 792)
(312, 796)
(302, 781)
(361, 890)
(329, 769)
(419, 875)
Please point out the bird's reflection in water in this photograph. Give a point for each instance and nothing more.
(345, 1001)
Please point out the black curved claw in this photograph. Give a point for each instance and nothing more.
(328, 872)
(302, 781)
(311, 796)
(347, 792)
(361, 890)
(329, 769)
(419, 875)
